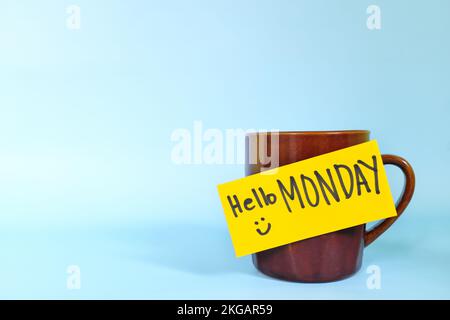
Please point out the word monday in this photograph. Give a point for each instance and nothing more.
(335, 184)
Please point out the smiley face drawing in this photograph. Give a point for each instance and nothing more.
(261, 233)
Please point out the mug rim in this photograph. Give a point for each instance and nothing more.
(318, 132)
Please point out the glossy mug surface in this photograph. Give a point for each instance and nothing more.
(331, 256)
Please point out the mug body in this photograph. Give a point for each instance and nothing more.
(328, 257)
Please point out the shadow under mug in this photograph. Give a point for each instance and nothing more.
(332, 256)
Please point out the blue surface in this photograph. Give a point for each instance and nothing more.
(86, 117)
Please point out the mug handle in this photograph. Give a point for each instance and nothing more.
(402, 203)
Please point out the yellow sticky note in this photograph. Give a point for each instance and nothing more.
(308, 198)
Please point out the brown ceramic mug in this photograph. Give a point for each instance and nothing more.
(332, 256)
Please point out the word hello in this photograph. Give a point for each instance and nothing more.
(340, 182)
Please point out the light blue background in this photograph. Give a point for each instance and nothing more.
(86, 117)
